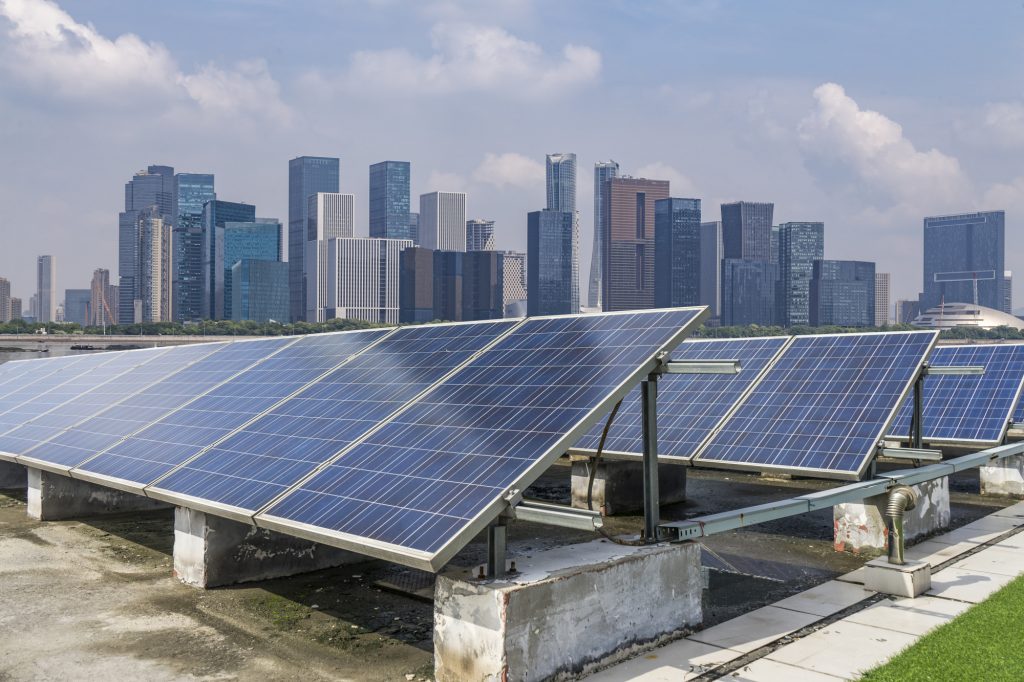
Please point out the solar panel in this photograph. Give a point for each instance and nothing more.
(104, 367)
(689, 406)
(968, 409)
(822, 408)
(78, 411)
(158, 448)
(253, 466)
(79, 443)
(420, 487)
(1018, 414)
(40, 376)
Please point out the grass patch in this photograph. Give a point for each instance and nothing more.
(983, 643)
(282, 613)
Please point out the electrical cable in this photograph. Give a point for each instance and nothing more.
(592, 473)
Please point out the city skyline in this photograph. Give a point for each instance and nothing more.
(800, 133)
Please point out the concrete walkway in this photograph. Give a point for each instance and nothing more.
(838, 630)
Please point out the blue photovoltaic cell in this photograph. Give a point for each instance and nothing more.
(424, 478)
(823, 406)
(103, 368)
(251, 467)
(79, 443)
(968, 408)
(45, 375)
(689, 406)
(160, 447)
(54, 422)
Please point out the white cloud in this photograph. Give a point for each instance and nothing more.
(1006, 121)
(679, 184)
(50, 49)
(864, 152)
(470, 57)
(509, 170)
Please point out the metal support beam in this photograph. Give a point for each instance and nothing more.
(912, 454)
(951, 370)
(497, 537)
(649, 411)
(557, 515)
(916, 432)
(702, 367)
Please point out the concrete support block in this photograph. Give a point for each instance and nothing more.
(12, 476)
(52, 497)
(210, 551)
(619, 486)
(566, 612)
(910, 579)
(1003, 477)
(861, 526)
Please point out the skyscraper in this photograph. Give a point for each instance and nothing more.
(257, 240)
(46, 289)
(800, 244)
(259, 290)
(627, 270)
(416, 285)
(5, 300)
(216, 214)
(561, 195)
(363, 280)
(479, 235)
(330, 215)
(749, 292)
(964, 257)
(843, 293)
(153, 288)
(102, 299)
(747, 230)
(549, 238)
(676, 252)
(307, 175)
(442, 221)
(711, 254)
(16, 312)
(603, 171)
(513, 278)
(1008, 292)
(150, 190)
(389, 200)
(482, 285)
(414, 227)
(882, 309)
(76, 306)
(191, 192)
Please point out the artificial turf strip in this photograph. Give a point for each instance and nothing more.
(983, 644)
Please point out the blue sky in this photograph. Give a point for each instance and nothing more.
(867, 115)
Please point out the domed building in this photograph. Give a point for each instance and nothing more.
(951, 315)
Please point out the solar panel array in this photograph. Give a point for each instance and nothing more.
(823, 406)
(690, 406)
(425, 427)
(968, 409)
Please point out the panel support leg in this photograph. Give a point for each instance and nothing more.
(916, 431)
(649, 406)
(497, 537)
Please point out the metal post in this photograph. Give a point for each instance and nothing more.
(649, 403)
(497, 534)
(916, 430)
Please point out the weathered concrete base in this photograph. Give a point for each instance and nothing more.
(12, 476)
(861, 527)
(52, 497)
(619, 487)
(567, 611)
(210, 551)
(911, 579)
(1003, 477)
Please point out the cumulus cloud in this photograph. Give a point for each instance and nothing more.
(470, 57)
(1005, 120)
(509, 170)
(864, 152)
(679, 184)
(49, 48)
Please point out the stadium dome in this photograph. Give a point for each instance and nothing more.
(951, 315)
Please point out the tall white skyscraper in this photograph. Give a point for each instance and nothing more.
(330, 215)
(561, 191)
(442, 224)
(362, 279)
(5, 300)
(882, 308)
(46, 289)
(603, 171)
(514, 283)
(480, 235)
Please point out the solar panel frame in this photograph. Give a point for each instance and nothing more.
(155, 491)
(702, 460)
(634, 401)
(29, 460)
(434, 561)
(141, 487)
(950, 382)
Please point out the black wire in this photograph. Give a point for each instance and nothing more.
(594, 461)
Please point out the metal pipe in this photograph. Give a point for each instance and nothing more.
(649, 412)
(901, 499)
